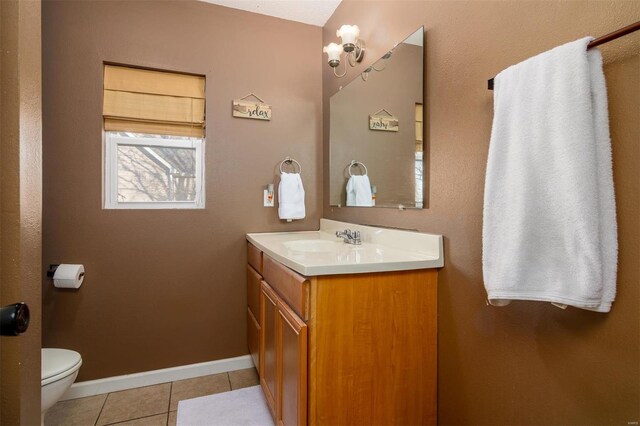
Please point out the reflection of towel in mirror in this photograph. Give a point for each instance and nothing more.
(359, 191)
(290, 197)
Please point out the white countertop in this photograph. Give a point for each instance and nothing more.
(320, 252)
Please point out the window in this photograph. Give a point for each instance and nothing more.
(154, 125)
(419, 175)
(153, 172)
(419, 180)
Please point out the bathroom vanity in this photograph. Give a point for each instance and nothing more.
(343, 333)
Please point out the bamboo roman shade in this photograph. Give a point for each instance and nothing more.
(157, 102)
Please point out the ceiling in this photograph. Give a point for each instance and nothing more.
(314, 12)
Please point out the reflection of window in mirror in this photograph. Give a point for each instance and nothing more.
(419, 156)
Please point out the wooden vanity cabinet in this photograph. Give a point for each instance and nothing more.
(348, 349)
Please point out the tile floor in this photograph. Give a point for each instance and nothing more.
(148, 406)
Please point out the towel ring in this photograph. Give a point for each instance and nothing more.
(355, 163)
(290, 160)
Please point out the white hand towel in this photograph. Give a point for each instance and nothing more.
(359, 191)
(549, 228)
(290, 197)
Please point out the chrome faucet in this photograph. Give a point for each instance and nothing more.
(350, 237)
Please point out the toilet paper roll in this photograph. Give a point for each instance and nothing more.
(68, 276)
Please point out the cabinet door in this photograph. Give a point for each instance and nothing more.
(268, 364)
(291, 355)
(253, 315)
(253, 338)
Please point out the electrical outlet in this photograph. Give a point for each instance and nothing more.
(268, 202)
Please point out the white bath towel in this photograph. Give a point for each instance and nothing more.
(359, 191)
(290, 197)
(549, 229)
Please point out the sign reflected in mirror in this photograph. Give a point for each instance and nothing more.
(376, 125)
(385, 122)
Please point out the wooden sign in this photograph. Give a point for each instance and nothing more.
(385, 122)
(249, 109)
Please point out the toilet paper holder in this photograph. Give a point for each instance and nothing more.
(66, 275)
(52, 270)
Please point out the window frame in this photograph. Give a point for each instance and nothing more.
(419, 192)
(110, 164)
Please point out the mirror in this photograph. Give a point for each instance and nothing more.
(376, 129)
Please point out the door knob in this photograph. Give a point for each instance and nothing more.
(14, 319)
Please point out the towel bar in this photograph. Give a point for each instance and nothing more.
(355, 163)
(290, 160)
(600, 40)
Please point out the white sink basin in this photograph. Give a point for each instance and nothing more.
(313, 246)
(319, 252)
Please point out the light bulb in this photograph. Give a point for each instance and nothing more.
(333, 51)
(349, 35)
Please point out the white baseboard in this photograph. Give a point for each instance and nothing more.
(147, 378)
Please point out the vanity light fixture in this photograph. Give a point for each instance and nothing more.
(351, 45)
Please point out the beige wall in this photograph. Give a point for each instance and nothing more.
(527, 363)
(167, 288)
(389, 156)
(20, 206)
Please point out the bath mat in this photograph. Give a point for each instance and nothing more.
(242, 407)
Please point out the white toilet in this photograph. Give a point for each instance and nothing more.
(59, 371)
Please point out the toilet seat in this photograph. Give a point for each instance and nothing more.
(58, 364)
